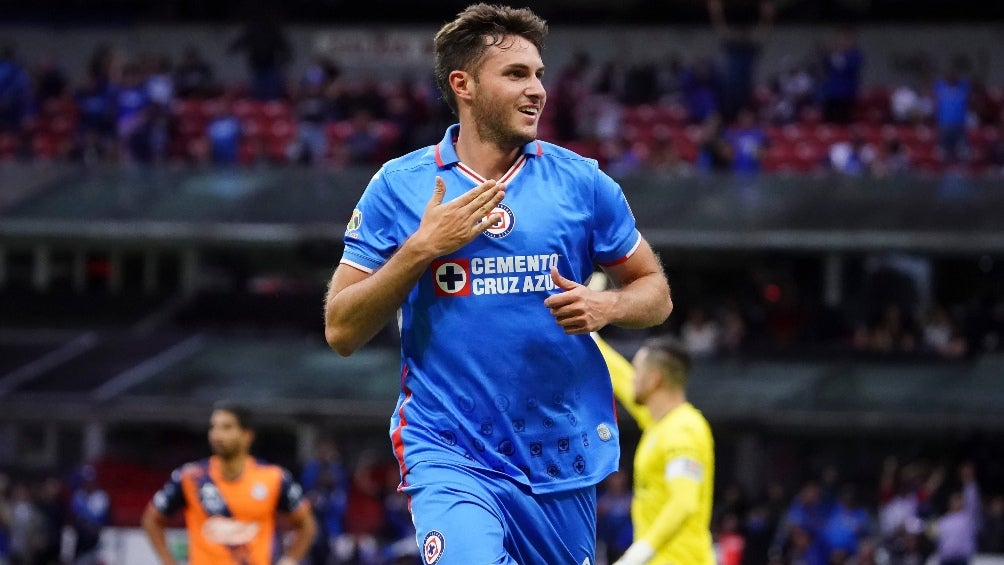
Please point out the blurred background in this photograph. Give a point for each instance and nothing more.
(824, 182)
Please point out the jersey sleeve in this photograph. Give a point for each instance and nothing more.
(614, 234)
(682, 502)
(373, 234)
(290, 493)
(171, 497)
(620, 377)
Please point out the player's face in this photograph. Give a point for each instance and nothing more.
(226, 437)
(641, 381)
(509, 97)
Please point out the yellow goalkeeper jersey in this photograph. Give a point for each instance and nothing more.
(674, 468)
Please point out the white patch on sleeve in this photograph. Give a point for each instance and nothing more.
(684, 467)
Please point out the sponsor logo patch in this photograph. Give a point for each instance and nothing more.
(684, 467)
(452, 277)
(259, 491)
(356, 221)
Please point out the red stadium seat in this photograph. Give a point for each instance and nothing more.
(8, 145)
(45, 145)
(252, 128)
(545, 130)
(277, 110)
(190, 126)
(809, 156)
(873, 106)
(676, 114)
(284, 130)
(778, 158)
(245, 109)
(338, 132)
(831, 133)
(248, 152)
(797, 131)
(810, 116)
(277, 149)
(584, 148)
(185, 108)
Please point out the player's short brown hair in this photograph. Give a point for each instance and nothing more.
(670, 356)
(461, 43)
(242, 413)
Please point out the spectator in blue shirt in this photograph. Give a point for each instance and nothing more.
(742, 47)
(15, 92)
(802, 525)
(848, 524)
(16, 100)
(267, 48)
(842, 66)
(325, 483)
(131, 102)
(700, 91)
(747, 140)
(90, 509)
(613, 515)
(951, 95)
(224, 134)
(95, 100)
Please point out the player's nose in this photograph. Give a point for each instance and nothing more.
(535, 89)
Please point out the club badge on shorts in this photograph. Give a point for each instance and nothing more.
(432, 547)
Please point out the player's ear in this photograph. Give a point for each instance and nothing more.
(653, 377)
(461, 82)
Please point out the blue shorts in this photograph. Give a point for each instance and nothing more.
(471, 516)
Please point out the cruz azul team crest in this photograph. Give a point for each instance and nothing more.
(503, 226)
(433, 546)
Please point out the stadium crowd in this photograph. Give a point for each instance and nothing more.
(899, 514)
(672, 116)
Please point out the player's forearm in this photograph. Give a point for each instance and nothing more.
(674, 514)
(155, 532)
(303, 537)
(643, 302)
(354, 314)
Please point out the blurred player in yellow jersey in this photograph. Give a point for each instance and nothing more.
(674, 463)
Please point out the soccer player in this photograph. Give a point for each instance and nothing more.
(505, 423)
(675, 460)
(230, 501)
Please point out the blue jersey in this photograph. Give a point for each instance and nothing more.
(489, 379)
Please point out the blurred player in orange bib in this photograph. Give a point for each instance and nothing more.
(230, 501)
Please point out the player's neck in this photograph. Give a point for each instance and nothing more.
(485, 157)
(664, 402)
(231, 468)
